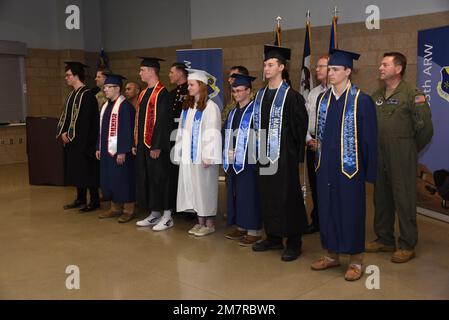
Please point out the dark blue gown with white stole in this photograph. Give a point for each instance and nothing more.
(118, 182)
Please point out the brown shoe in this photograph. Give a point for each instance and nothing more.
(401, 256)
(324, 263)
(249, 240)
(126, 217)
(353, 273)
(109, 214)
(236, 235)
(375, 246)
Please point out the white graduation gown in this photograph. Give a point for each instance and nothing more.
(198, 186)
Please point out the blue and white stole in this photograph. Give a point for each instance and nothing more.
(241, 144)
(275, 124)
(349, 143)
(196, 132)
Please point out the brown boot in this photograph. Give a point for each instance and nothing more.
(375, 246)
(109, 214)
(324, 263)
(126, 217)
(402, 256)
(128, 213)
(236, 234)
(249, 240)
(354, 272)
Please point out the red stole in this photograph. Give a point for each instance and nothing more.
(150, 117)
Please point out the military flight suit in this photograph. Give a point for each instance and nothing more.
(404, 128)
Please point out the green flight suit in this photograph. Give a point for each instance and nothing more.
(404, 128)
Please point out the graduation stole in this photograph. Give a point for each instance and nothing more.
(275, 125)
(150, 116)
(79, 93)
(113, 125)
(241, 146)
(349, 143)
(196, 132)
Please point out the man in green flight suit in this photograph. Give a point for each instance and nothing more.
(404, 129)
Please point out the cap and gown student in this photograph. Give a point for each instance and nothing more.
(78, 129)
(280, 122)
(243, 200)
(345, 159)
(114, 150)
(198, 151)
(152, 140)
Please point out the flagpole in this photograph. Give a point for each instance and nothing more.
(304, 165)
(278, 23)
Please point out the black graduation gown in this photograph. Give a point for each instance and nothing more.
(118, 182)
(82, 169)
(282, 203)
(243, 200)
(177, 97)
(341, 201)
(153, 175)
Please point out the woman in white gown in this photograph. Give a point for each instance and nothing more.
(198, 152)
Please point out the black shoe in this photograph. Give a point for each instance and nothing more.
(311, 229)
(90, 207)
(75, 204)
(290, 254)
(266, 245)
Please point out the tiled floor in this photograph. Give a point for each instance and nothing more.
(38, 240)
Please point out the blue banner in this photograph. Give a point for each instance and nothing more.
(433, 80)
(210, 60)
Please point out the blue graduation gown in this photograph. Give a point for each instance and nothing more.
(341, 201)
(243, 201)
(118, 183)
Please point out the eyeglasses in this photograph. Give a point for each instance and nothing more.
(107, 86)
(321, 66)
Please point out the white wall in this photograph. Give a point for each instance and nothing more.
(140, 24)
(41, 24)
(212, 18)
(32, 22)
(137, 24)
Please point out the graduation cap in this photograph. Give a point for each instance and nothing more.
(200, 75)
(342, 58)
(151, 62)
(281, 53)
(75, 64)
(114, 79)
(242, 80)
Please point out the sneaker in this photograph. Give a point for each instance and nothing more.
(164, 224)
(236, 234)
(204, 231)
(194, 229)
(151, 220)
